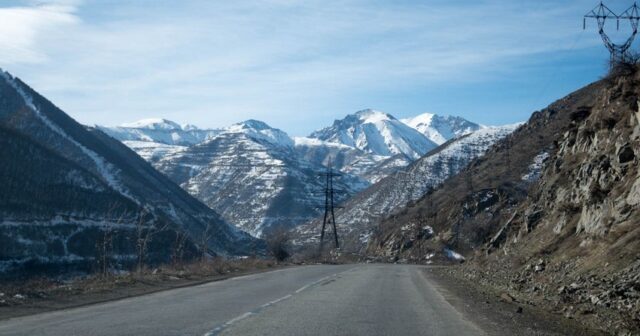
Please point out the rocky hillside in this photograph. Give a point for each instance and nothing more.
(65, 187)
(358, 219)
(550, 213)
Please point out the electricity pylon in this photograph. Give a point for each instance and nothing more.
(619, 52)
(329, 206)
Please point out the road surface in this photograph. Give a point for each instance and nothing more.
(310, 300)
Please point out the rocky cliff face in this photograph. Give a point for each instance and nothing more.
(550, 213)
(65, 187)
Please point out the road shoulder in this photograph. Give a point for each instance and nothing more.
(499, 314)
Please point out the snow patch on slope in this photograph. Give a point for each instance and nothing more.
(376, 133)
(259, 130)
(441, 129)
(106, 169)
(154, 124)
(535, 168)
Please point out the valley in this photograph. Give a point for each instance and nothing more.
(319, 168)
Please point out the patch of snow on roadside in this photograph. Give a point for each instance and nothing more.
(451, 254)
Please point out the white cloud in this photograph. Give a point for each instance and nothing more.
(23, 28)
(214, 63)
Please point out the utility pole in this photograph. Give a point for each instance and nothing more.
(329, 206)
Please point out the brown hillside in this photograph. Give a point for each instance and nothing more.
(570, 238)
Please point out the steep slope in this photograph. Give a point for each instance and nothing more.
(251, 174)
(64, 186)
(441, 129)
(362, 212)
(551, 213)
(377, 133)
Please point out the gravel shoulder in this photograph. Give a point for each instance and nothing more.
(498, 313)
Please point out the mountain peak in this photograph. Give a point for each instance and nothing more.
(424, 118)
(377, 133)
(372, 116)
(153, 123)
(253, 124)
(440, 129)
(189, 127)
(260, 130)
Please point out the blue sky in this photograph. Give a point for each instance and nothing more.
(298, 65)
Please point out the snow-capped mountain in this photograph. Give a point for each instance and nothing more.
(373, 144)
(154, 138)
(364, 210)
(250, 173)
(257, 176)
(65, 185)
(441, 129)
(159, 131)
(377, 133)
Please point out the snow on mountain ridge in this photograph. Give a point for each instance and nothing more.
(441, 129)
(153, 123)
(261, 131)
(377, 133)
(373, 116)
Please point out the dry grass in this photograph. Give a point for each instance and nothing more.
(99, 288)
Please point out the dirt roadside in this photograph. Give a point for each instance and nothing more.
(39, 296)
(500, 314)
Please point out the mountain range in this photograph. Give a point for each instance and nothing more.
(258, 177)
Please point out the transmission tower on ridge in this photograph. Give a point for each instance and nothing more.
(329, 205)
(619, 52)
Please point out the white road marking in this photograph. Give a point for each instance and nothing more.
(276, 301)
(227, 324)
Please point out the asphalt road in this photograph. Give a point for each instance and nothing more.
(309, 300)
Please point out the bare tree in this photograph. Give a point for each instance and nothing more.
(104, 243)
(178, 247)
(104, 249)
(205, 237)
(144, 231)
(278, 244)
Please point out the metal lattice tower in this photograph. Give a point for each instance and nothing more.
(619, 52)
(329, 206)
